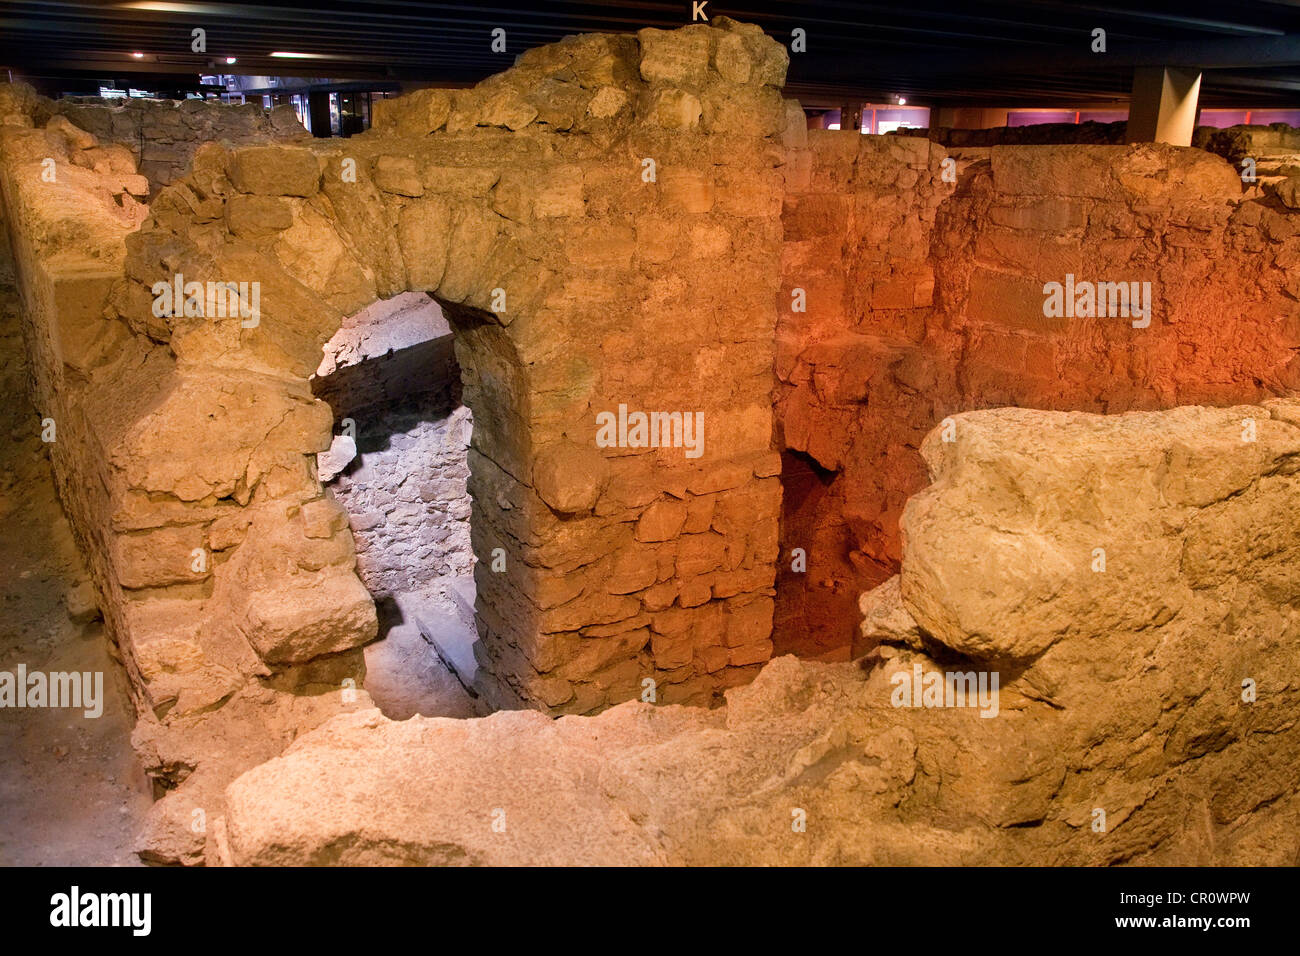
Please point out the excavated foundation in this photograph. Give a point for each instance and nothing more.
(588, 390)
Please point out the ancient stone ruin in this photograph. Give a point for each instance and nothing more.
(611, 382)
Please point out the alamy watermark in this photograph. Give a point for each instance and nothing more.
(1098, 300)
(75, 908)
(56, 689)
(923, 688)
(651, 430)
(208, 300)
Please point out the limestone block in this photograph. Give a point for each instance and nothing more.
(559, 104)
(398, 175)
(275, 171)
(748, 621)
(433, 830)
(794, 135)
(257, 215)
(157, 558)
(569, 477)
(685, 189)
(460, 181)
(662, 521)
(111, 158)
(81, 290)
(76, 137)
(674, 109)
(608, 102)
(297, 619)
(506, 106)
(732, 60)
(323, 518)
(512, 196)
(604, 247)
(1288, 191)
(342, 450)
(679, 57)
(560, 194)
(699, 554)
(770, 59)
(1115, 506)
(474, 234)
(418, 113)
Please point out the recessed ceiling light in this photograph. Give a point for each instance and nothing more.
(211, 9)
(138, 56)
(230, 59)
(902, 101)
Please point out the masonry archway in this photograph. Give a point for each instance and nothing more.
(398, 465)
(574, 274)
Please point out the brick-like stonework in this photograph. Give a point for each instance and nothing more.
(925, 298)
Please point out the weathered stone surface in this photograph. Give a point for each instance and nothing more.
(398, 175)
(1132, 713)
(569, 477)
(662, 521)
(945, 312)
(164, 136)
(292, 622)
(456, 830)
(675, 56)
(275, 171)
(578, 284)
(1288, 191)
(675, 109)
(1069, 493)
(258, 215)
(417, 114)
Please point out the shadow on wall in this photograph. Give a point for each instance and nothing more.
(398, 467)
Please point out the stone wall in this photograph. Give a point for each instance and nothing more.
(606, 210)
(856, 390)
(940, 309)
(1275, 148)
(391, 370)
(1039, 134)
(163, 135)
(119, 417)
(406, 498)
(1145, 710)
(607, 227)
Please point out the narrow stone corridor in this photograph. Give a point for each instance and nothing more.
(71, 789)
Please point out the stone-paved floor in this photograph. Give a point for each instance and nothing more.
(404, 673)
(71, 789)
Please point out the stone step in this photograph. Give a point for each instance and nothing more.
(443, 623)
(461, 590)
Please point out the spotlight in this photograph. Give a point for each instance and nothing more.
(902, 101)
(138, 56)
(230, 59)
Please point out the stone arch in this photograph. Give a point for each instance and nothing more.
(573, 282)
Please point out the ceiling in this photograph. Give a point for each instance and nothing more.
(966, 53)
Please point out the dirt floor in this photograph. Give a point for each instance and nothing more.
(71, 789)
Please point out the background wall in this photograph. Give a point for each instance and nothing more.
(163, 135)
(939, 308)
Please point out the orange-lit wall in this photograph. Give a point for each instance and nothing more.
(925, 298)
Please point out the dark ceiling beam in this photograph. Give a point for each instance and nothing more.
(1257, 83)
(1229, 53)
(992, 52)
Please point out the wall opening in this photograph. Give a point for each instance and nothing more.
(399, 466)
